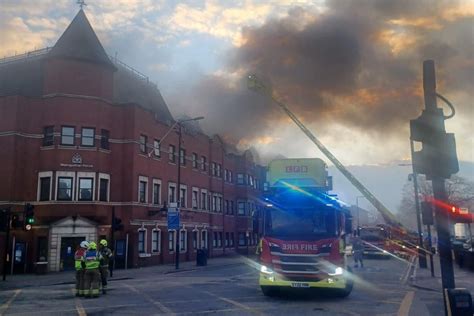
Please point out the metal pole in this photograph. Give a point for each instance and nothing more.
(112, 241)
(421, 253)
(7, 242)
(358, 222)
(12, 257)
(430, 245)
(126, 251)
(178, 233)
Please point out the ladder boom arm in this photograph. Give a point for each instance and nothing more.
(386, 214)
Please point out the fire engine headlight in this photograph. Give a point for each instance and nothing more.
(265, 269)
(337, 271)
(385, 251)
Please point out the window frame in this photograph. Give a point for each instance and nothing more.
(172, 153)
(195, 241)
(239, 203)
(182, 157)
(103, 176)
(157, 232)
(79, 188)
(203, 163)
(142, 141)
(203, 200)
(140, 231)
(43, 175)
(71, 179)
(172, 240)
(48, 136)
(142, 179)
(183, 240)
(87, 137)
(156, 148)
(204, 242)
(195, 202)
(156, 200)
(183, 203)
(73, 135)
(195, 160)
(104, 139)
(172, 185)
(240, 179)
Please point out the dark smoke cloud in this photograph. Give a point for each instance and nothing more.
(338, 67)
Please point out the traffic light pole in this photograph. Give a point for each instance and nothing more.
(7, 242)
(421, 251)
(439, 189)
(178, 194)
(112, 242)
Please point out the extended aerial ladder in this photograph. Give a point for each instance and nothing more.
(255, 84)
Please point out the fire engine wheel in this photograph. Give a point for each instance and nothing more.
(269, 290)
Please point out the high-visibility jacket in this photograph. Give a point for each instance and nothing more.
(342, 246)
(92, 259)
(106, 255)
(79, 258)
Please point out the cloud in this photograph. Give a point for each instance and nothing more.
(354, 65)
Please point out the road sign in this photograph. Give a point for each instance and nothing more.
(173, 220)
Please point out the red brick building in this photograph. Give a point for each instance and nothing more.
(79, 136)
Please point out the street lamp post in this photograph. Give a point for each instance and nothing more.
(178, 232)
(358, 210)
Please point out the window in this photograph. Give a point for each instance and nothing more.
(156, 148)
(195, 239)
(241, 208)
(88, 137)
(65, 189)
(226, 206)
(227, 236)
(231, 240)
(48, 136)
(203, 163)
(104, 139)
(142, 191)
(171, 154)
(219, 240)
(42, 253)
(218, 170)
(141, 240)
(171, 242)
(45, 189)
(156, 192)
(172, 193)
(255, 181)
(203, 200)
(67, 135)
(214, 203)
(231, 208)
(250, 180)
(182, 157)
(143, 140)
(240, 178)
(213, 169)
(155, 240)
(103, 190)
(183, 240)
(195, 197)
(242, 239)
(85, 189)
(182, 197)
(204, 239)
(214, 240)
(195, 160)
(229, 179)
(219, 204)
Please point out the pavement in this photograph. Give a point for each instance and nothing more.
(226, 286)
(428, 299)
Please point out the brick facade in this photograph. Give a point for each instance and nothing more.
(105, 149)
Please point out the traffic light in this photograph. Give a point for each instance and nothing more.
(427, 213)
(437, 157)
(4, 221)
(16, 222)
(117, 224)
(29, 215)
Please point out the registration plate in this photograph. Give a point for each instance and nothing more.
(299, 284)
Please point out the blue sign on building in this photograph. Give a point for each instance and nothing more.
(173, 220)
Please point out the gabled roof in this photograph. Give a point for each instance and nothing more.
(79, 41)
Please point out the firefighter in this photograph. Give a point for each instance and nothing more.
(358, 250)
(92, 275)
(78, 263)
(106, 256)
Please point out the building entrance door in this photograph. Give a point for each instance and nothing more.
(69, 245)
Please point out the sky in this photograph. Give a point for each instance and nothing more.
(351, 70)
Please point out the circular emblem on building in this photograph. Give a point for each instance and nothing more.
(76, 159)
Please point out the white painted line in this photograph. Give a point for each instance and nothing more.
(7, 304)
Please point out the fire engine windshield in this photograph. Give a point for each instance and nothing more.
(372, 234)
(301, 223)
